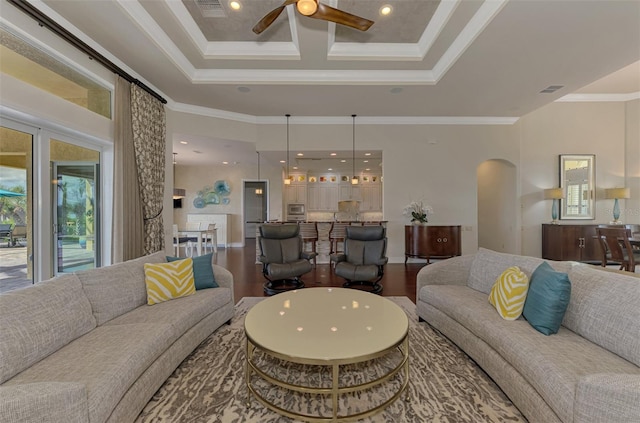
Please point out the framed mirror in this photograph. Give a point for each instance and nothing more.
(578, 183)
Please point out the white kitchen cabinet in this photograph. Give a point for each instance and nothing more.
(371, 197)
(323, 198)
(296, 193)
(350, 192)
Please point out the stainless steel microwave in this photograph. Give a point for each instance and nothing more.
(295, 209)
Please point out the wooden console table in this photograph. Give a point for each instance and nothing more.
(570, 242)
(427, 242)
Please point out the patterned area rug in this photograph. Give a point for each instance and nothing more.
(445, 385)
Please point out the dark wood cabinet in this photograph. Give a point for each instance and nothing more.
(426, 241)
(570, 242)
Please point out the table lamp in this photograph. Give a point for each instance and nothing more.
(615, 193)
(554, 194)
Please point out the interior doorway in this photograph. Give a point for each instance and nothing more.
(497, 206)
(255, 211)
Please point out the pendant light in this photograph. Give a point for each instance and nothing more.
(259, 189)
(287, 180)
(354, 179)
(177, 192)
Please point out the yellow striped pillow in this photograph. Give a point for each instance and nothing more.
(509, 293)
(166, 281)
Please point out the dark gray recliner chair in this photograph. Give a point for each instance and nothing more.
(363, 260)
(282, 258)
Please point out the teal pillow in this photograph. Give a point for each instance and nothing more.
(547, 299)
(202, 271)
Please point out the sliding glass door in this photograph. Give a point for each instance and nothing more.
(76, 217)
(16, 205)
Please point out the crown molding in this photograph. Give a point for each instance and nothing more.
(249, 50)
(341, 120)
(596, 98)
(351, 51)
(394, 51)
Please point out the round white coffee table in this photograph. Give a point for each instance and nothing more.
(327, 327)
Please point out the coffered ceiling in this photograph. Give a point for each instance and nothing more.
(428, 59)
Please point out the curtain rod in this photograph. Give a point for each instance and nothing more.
(46, 21)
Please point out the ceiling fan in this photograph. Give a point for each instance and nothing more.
(315, 9)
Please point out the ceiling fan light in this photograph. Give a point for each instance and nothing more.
(307, 7)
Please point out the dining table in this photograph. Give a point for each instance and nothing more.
(195, 233)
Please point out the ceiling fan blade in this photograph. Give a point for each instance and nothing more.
(341, 17)
(271, 16)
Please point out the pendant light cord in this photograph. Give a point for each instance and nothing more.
(288, 116)
(353, 151)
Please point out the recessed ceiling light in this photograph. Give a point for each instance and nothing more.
(367, 154)
(234, 5)
(333, 154)
(300, 154)
(330, 169)
(343, 161)
(386, 10)
(283, 161)
(295, 167)
(244, 89)
(395, 90)
(367, 169)
(365, 161)
(184, 142)
(225, 163)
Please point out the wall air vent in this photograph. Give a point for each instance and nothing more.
(552, 89)
(211, 8)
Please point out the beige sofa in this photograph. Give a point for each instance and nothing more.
(587, 372)
(85, 347)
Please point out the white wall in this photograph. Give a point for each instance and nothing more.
(571, 128)
(631, 211)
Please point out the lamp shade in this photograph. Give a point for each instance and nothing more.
(179, 193)
(553, 194)
(612, 193)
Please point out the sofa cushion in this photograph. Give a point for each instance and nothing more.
(167, 281)
(202, 271)
(597, 293)
(552, 364)
(117, 289)
(39, 320)
(509, 293)
(182, 313)
(488, 265)
(107, 360)
(547, 300)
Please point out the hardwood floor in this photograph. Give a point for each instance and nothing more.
(398, 279)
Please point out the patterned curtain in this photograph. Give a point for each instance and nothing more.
(149, 127)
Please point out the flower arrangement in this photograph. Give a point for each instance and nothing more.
(417, 211)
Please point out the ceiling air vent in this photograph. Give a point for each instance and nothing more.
(551, 89)
(211, 8)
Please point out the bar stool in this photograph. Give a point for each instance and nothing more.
(309, 233)
(337, 234)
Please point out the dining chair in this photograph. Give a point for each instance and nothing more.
(210, 238)
(618, 247)
(181, 242)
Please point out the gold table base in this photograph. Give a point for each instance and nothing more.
(403, 366)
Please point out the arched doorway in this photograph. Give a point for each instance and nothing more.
(497, 206)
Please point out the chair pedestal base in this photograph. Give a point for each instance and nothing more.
(368, 286)
(276, 287)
